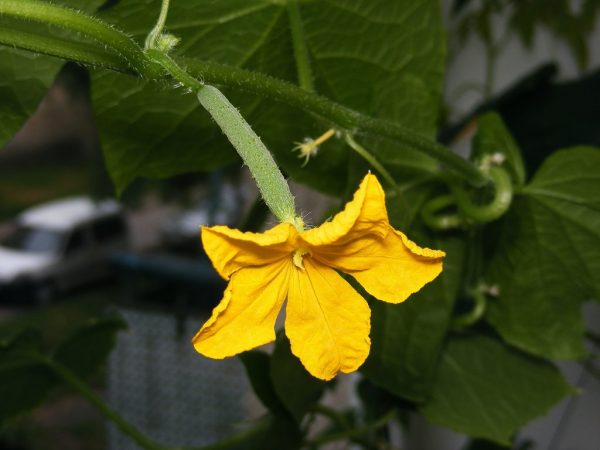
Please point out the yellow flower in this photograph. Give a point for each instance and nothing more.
(327, 321)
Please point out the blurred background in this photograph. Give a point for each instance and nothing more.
(69, 250)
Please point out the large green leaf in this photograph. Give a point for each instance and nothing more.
(26, 77)
(546, 261)
(383, 58)
(485, 389)
(407, 338)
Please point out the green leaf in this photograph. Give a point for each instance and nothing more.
(295, 387)
(25, 77)
(25, 341)
(87, 349)
(351, 67)
(23, 386)
(546, 261)
(24, 81)
(406, 339)
(485, 389)
(493, 137)
(258, 368)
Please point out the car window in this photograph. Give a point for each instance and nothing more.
(109, 228)
(36, 240)
(76, 242)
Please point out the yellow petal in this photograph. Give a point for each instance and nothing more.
(230, 249)
(327, 321)
(245, 317)
(390, 269)
(365, 214)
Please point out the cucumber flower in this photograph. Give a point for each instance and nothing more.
(326, 320)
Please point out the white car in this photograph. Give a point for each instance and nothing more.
(60, 245)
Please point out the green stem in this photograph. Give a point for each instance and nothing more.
(272, 185)
(258, 84)
(75, 382)
(305, 77)
(82, 52)
(174, 70)
(90, 27)
(158, 28)
(355, 432)
(370, 159)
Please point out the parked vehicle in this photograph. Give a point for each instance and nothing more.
(60, 245)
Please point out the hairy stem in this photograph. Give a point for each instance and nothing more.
(87, 26)
(82, 52)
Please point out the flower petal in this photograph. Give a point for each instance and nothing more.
(245, 317)
(230, 249)
(327, 321)
(365, 214)
(390, 269)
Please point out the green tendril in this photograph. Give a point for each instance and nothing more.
(433, 216)
(503, 193)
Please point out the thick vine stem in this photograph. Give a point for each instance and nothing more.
(96, 29)
(83, 52)
(134, 59)
(498, 206)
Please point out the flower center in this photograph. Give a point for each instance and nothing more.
(297, 258)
